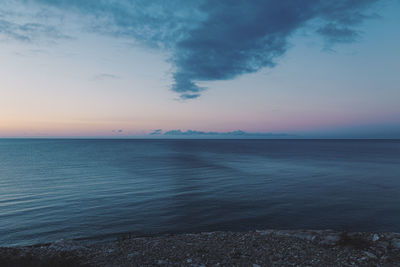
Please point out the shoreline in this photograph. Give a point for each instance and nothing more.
(252, 248)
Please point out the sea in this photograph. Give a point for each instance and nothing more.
(97, 190)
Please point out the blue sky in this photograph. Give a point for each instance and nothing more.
(92, 68)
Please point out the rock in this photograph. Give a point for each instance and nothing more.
(363, 259)
(264, 232)
(65, 245)
(330, 240)
(375, 238)
(305, 236)
(133, 254)
(370, 255)
(384, 244)
(396, 243)
(288, 248)
(385, 258)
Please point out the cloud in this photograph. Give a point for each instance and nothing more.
(105, 76)
(240, 37)
(202, 134)
(217, 40)
(338, 34)
(28, 32)
(189, 96)
(28, 24)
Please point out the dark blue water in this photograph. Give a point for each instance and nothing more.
(97, 189)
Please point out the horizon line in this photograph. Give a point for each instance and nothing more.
(196, 138)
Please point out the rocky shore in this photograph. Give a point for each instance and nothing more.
(255, 248)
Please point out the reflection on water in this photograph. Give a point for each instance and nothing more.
(53, 189)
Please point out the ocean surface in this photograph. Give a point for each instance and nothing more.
(99, 189)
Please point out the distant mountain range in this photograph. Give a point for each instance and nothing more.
(201, 134)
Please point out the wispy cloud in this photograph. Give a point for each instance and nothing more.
(28, 32)
(105, 76)
(23, 22)
(211, 40)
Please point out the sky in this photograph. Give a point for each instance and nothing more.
(106, 68)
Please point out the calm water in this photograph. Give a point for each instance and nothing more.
(97, 189)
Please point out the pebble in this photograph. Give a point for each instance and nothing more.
(214, 249)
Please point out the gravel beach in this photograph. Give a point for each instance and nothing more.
(255, 248)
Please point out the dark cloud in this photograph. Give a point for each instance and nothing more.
(189, 96)
(243, 36)
(218, 40)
